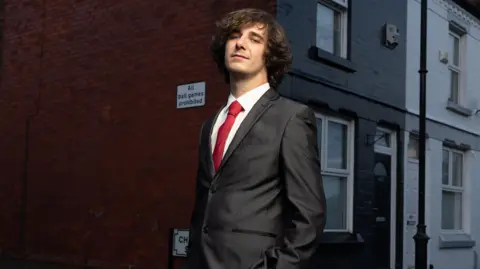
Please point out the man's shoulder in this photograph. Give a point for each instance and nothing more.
(208, 123)
(292, 106)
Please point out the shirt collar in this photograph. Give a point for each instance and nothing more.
(248, 100)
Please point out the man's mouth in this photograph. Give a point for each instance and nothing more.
(239, 56)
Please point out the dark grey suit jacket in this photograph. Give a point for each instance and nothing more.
(265, 207)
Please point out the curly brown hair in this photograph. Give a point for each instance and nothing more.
(278, 56)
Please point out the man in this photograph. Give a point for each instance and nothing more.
(259, 197)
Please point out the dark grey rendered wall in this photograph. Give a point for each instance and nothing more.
(369, 88)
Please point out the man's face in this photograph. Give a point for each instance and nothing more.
(245, 51)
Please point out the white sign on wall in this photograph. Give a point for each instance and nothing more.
(191, 95)
(180, 242)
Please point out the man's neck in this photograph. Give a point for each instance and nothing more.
(240, 87)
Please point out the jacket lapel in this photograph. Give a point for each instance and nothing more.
(210, 165)
(253, 116)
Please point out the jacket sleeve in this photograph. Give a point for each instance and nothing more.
(195, 211)
(305, 205)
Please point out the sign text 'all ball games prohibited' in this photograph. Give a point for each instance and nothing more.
(191, 95)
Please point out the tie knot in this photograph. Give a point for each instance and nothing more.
(235, 108)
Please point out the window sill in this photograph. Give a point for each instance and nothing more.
(455, 241)
(327, 58)
(456, 108)
(341, 238)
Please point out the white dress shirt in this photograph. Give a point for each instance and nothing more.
(247, 101)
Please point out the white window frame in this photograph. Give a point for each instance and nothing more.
(342, 3)
(340, 6)
(457, 68)
(348, 172)
(449, 187)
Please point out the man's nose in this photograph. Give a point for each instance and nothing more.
(240, 43)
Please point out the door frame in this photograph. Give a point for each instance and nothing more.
(392, 152)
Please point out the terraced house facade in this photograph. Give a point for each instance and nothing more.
(453, 128)
(350, 67)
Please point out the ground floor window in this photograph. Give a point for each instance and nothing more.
(336, 144)
(452, 189)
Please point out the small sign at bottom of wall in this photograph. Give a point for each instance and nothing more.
(191, 95)
(180, 242)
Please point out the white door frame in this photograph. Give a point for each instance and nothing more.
(392, 151)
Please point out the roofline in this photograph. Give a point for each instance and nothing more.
(471, 6)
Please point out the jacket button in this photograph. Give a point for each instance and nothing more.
(205, 229)
(213, 189)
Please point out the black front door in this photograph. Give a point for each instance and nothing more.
(381, 207)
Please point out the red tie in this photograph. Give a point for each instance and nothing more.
(223, 131)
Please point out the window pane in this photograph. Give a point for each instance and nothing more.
(454, 49)
(319, 138)
(445, 167)
(413, 147)
(454, 86)
(451, 210)
(328, 29)
(337, 145)
(338, 33)
(457, 169)
(336, 195)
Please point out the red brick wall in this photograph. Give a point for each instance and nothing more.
(91, 143)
